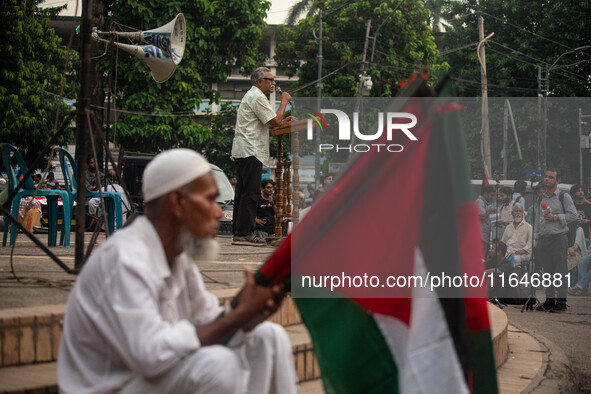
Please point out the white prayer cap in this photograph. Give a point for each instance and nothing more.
(171, 170)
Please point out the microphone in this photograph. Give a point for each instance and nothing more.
(279, 91)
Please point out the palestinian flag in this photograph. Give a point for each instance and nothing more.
(405, 339)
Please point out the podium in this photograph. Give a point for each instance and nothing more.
(285, 198)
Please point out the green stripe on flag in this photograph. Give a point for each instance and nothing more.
(351, 350)
(483, 363)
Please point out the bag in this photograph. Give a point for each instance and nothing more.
(572, 227)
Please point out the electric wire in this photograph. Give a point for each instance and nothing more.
(541, 62)
(525, 30)
(561, 72)
(498, 87)
(447, 52)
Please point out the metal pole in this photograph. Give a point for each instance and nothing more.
(82, 105)
(107, 129)
(580, 149)
(319, 101)
(505, 138)
(508, 103)
(539, 117)
(545, 124)
(108, 122)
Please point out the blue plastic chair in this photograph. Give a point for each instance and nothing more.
(112, 200)
(9, 152)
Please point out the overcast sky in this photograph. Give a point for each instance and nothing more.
(275, 16)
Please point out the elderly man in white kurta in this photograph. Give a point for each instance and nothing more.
(139, 319)
(518, 236)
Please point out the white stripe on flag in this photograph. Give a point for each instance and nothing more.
(425, 353)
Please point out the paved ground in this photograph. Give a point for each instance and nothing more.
(570, 331)
(33, 279)
(29, 278)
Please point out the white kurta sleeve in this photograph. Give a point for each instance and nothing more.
(131, 319)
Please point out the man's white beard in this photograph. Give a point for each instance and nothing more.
(198, 249)
(518, 219)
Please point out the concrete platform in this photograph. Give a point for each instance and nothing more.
(30, 337)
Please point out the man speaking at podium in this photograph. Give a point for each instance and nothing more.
(250, 150)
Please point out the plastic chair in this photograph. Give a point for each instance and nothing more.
(112, 200)
(8, 152)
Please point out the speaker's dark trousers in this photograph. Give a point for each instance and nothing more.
(248, 190)
(551, 255)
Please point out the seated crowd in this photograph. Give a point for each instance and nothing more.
(553, 232)
(30, 209)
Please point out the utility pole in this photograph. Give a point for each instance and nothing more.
(361, 77)
(319, 101)
(82, 124)
(363, 62)
(90, 84)
(485, 143)
(540, 128)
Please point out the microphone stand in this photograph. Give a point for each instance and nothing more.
(532, 301)
(497, 187)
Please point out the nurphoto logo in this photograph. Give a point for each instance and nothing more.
(390, 122)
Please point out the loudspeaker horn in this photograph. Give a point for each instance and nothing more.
(161, 65)
(170, 38)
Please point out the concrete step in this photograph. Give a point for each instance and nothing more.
(42, 378)
(31, 335)
(499, 333)
(29, 379)
(311, 387)
(29, 342)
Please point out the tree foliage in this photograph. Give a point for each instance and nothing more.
(437, 8)
(216, 148)
(528, 35)
(31, 69)
(220, 36)
(309, 7)
(404, 44)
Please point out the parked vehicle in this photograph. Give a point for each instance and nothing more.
(132, 169)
